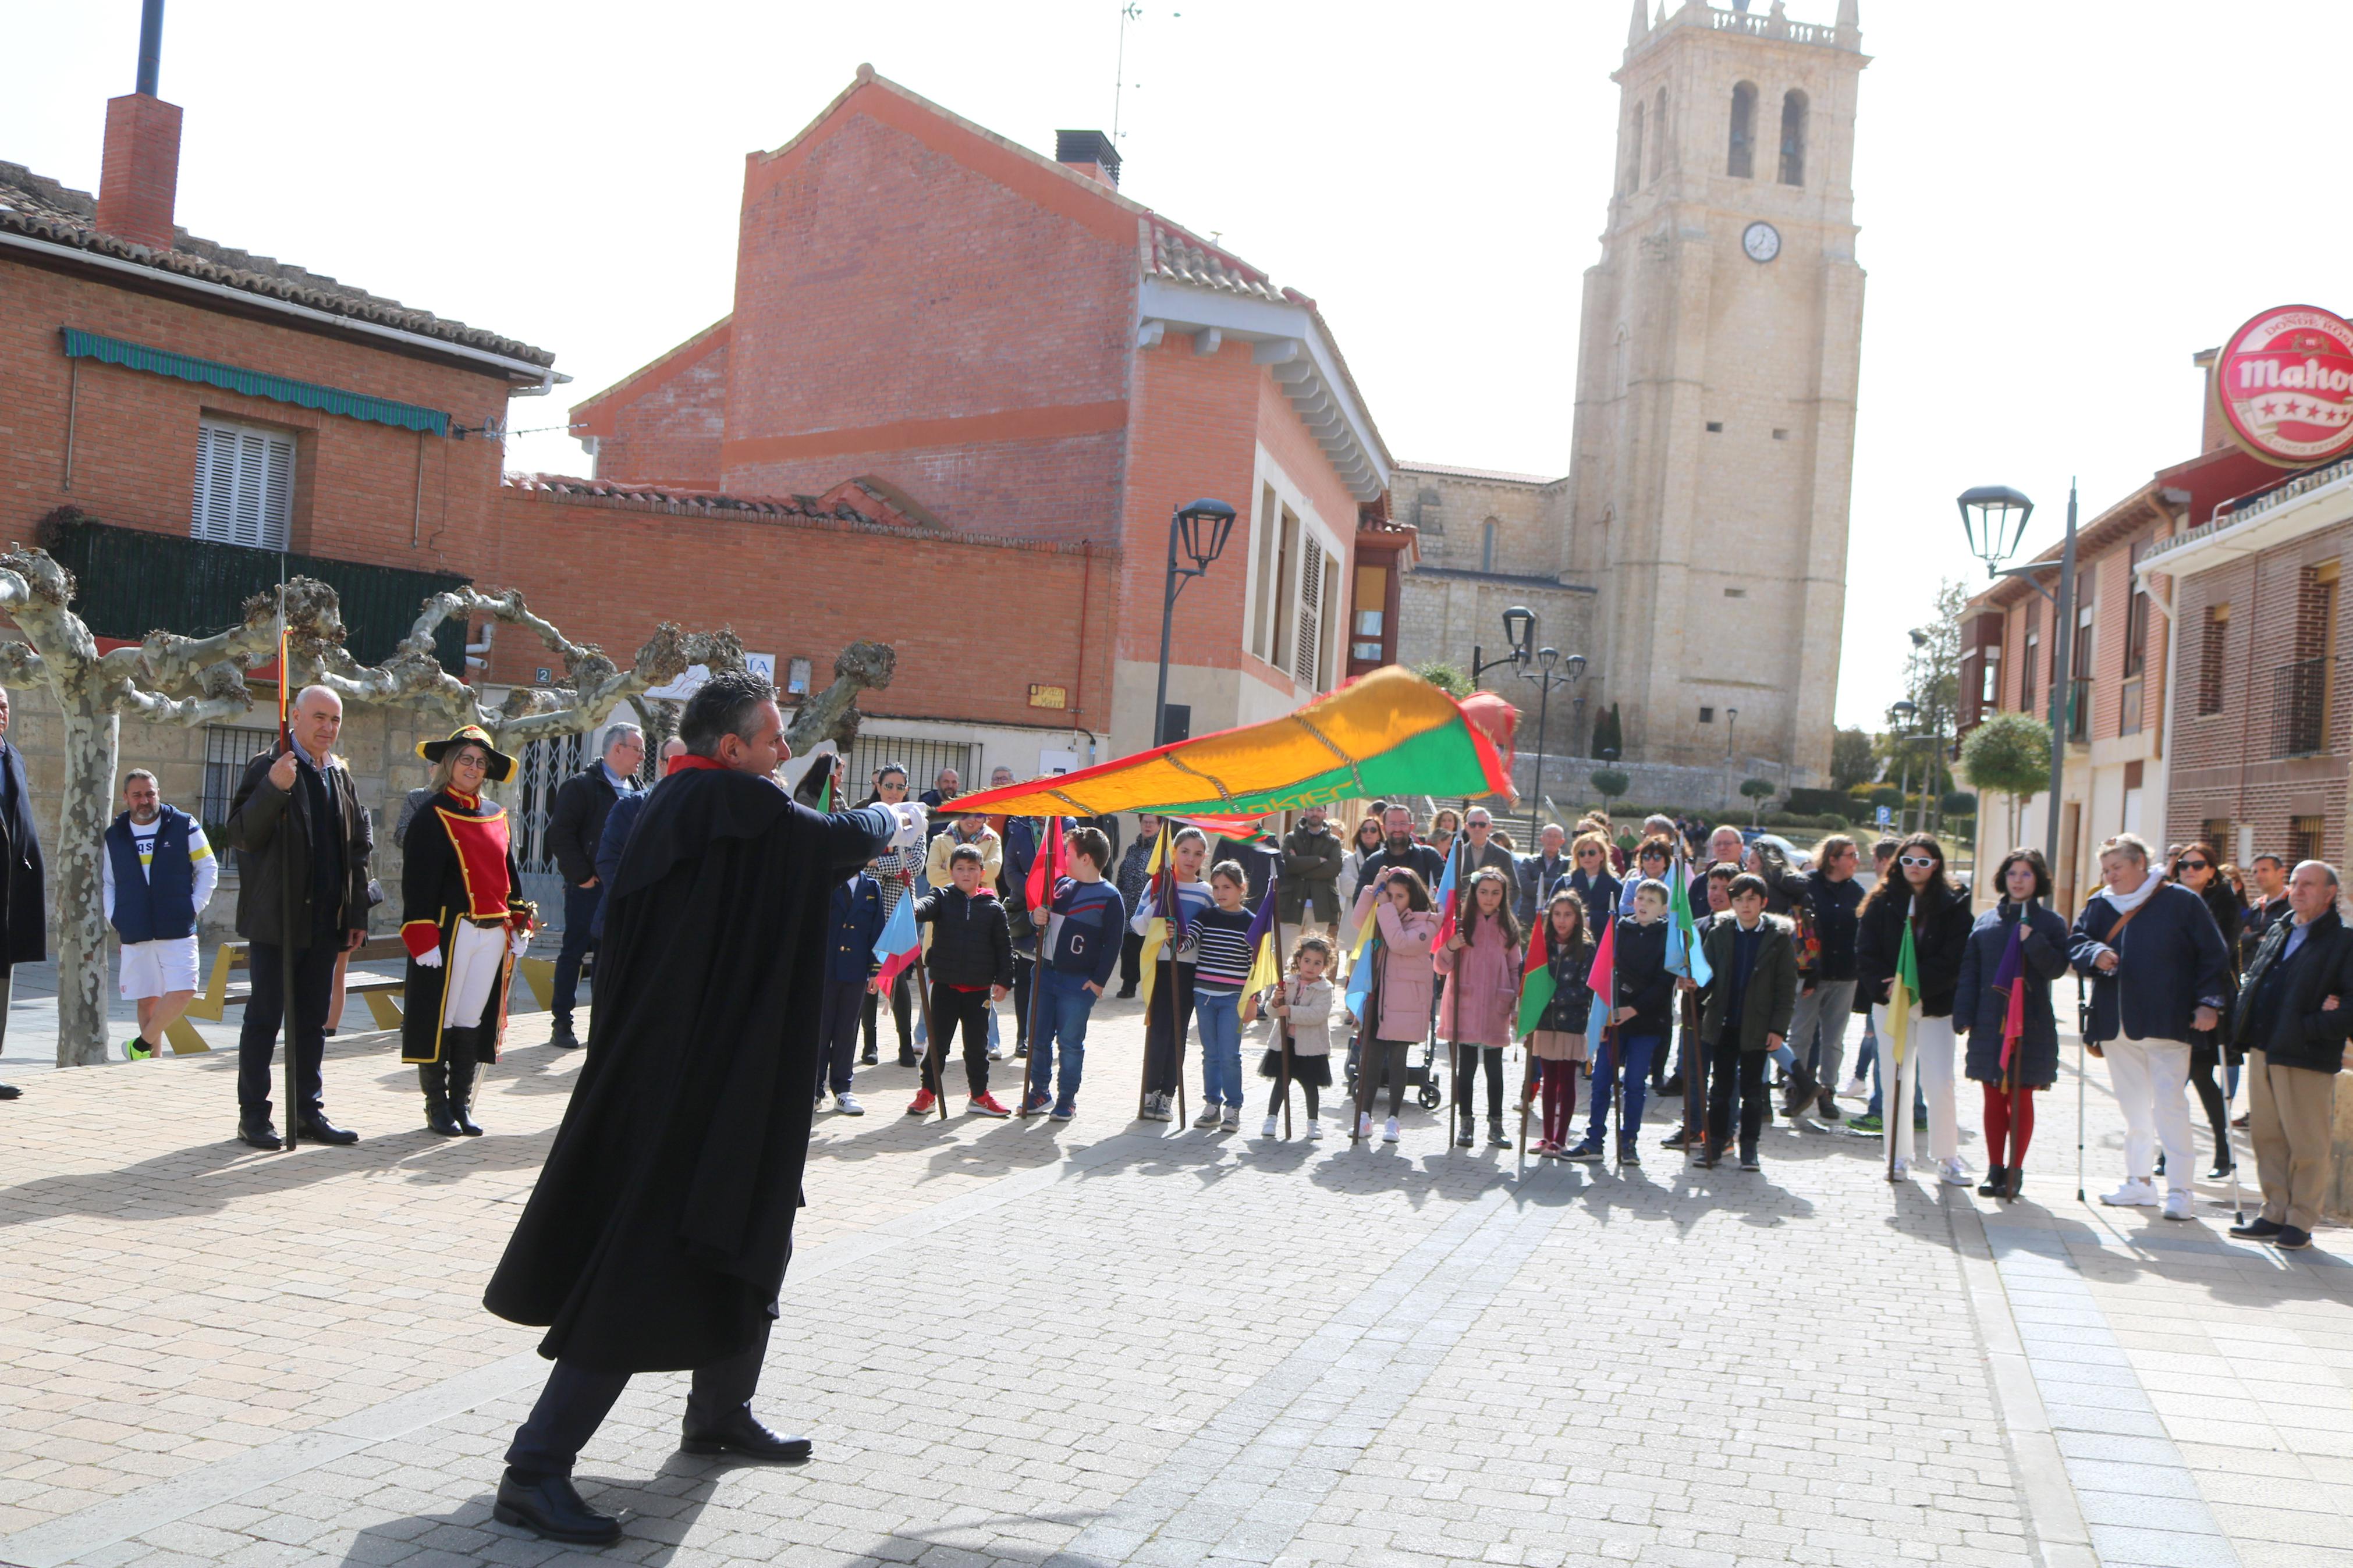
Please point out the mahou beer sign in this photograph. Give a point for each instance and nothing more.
(2285, 383)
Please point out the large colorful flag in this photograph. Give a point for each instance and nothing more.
(1360, 969)
(2009, 978)
(1385, 734)
(1604, 982)
(896, 947)
(1685, 956)
(1449, 898)
(1053, 862)
(1900, 998)
(1535, 976)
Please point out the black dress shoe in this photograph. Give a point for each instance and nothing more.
(9, 1091)
(867, 1057)
(549, 1507)
(2257, 1229)
(2291, 1239)
(743, 1433)
(564, 1039)
(319, 1129)
(259, 1134)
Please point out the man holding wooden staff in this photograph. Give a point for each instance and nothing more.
(658, 1235)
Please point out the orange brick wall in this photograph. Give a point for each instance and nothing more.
(974, 624)
(668, 430)
(359, 494)
(903, 308)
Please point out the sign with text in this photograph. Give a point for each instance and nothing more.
(679, 690)
(2284, 384)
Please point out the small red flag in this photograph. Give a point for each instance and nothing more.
(1052, 864)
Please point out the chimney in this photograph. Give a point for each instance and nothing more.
(140, 172)
(1090, 153)
(2212, 432)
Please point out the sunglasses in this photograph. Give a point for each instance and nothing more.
(2193, 864)
(1916, 860)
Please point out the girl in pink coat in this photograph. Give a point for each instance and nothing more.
(1398, 900)
(1483, 958)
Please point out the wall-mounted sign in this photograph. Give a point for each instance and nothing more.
(1057, 697)
(679, 690)
(2284, 384)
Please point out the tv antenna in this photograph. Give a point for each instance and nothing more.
(1128, 13)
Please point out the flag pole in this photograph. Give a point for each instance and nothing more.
(2083, 1072)
(286, 882)
(1038, 968)
(934, 1057)
(1282, 1025)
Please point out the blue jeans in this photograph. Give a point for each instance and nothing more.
(1218, 1018)
(1637, 1050)
(1064, 1004)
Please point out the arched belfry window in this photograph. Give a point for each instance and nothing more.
(1634, 152)
(1659, 134)
(1742, 163)
(1793, 138)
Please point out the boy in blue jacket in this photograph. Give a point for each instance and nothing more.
(1082, 928)
(853, 927)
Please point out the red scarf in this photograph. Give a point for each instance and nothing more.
(686, 759)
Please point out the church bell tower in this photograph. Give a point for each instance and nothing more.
(1716, 388)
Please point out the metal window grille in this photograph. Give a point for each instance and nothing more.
(540, 770)
(2211, 648)
(227, 748)
(245, 485)
(2304, 835)
(2299, 707)
(921, 759)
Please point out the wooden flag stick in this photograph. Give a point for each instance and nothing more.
(1281, 1024)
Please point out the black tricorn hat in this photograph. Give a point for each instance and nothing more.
(501, 766)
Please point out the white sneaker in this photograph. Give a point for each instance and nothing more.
(1389, 1133)
(2133, 1194)
(1900, 1171)
(1853, 1088)
(846, 1103)
(1365, 1124)
(1953, 1173)
(996, 1053)
(1232, 1120)
(1314, 1131)
(1207, 1119)
(2176, 1207)
(1267, 1130)
(1155, 1108)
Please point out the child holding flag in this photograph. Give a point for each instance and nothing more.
(1911, 933)
(1482, 955)
(2002, 1003)
(1224, 952)
(1301, 1003)
(1643, 999)
(971, 964)
(1555, 1004)
(1389, 988)
(1083, 921)
(1174, 895)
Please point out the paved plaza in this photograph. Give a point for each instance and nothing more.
(1118, 1343)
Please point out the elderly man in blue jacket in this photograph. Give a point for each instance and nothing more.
(2158, 970)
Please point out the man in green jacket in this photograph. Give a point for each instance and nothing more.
(1309, 887)
(1745, 1012)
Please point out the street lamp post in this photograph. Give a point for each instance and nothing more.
(1731, 726)
(1994, 516)
(1202, 529)
(1902, 713)
(1571, 671)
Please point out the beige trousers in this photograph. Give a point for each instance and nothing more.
(2288, 1120)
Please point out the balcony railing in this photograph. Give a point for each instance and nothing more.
(2300, 708)
(132, 581)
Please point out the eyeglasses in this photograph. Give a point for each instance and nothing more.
(1922, 860)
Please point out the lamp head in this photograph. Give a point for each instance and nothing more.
(1546, 657)
(1906, 712)
(1574, 665)
(1203, 528)
(1994, 516)
(1519, 630)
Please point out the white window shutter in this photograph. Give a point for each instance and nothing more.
(245, 485)
(1309, 642)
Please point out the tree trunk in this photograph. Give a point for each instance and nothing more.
(92, 742)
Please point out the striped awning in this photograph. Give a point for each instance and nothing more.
(255, 384)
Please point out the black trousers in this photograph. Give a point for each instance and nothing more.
(1165, 1025)
(1025, 973)
(575, 1401)
(257, 1043)
(1131, 961)
(1467, 1059)
(837, 1033)
(579, 917)
(1734, 1069)
(950, 1009)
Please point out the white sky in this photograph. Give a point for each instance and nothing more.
(2060, 199)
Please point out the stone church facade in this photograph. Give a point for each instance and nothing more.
(1697, 550)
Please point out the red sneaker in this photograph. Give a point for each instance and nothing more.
(922, 1103)
(987, 1105)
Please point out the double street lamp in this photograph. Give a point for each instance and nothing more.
(1547, 668)
(1201, 531)
(1994, 516)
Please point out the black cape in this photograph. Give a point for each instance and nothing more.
(657, 1238)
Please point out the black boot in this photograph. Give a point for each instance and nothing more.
(1997, 1177)
(435, 1078)
(1802, 1086)
(458, 1047)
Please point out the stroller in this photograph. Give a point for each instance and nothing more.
(1420, 1076)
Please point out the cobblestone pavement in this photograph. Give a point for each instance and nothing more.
(1115, 1343)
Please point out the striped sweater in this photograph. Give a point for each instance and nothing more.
(1221, 957)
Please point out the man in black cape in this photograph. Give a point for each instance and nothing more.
(657, 1238)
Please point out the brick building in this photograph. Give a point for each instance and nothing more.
(1024, 353)
(2126, 734)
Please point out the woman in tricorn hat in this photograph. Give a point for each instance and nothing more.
(465, 923)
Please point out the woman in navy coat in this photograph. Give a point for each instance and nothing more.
(1979, 1007)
